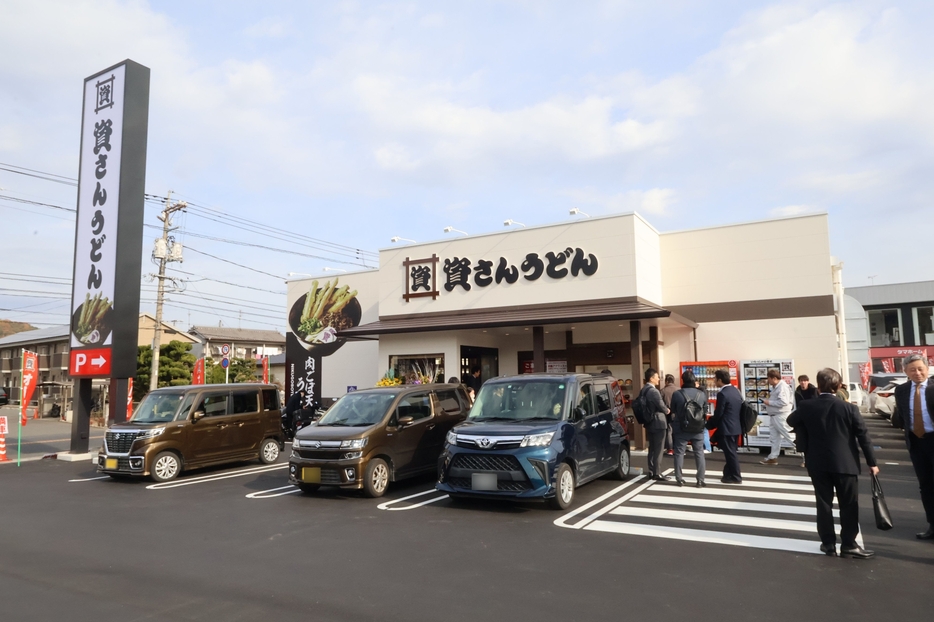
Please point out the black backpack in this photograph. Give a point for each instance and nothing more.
(691, 417)
(640, 407)
(748, 416)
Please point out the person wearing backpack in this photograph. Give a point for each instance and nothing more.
(655, 420)
(689, 406)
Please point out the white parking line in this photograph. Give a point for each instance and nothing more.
(264, 494)
(214, 478)
(89, 479)
(737, 491)
(719, 519)
(562, 521)
(776, 476)
(722, 504)
(385, 506)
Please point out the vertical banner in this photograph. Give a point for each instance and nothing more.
(109, 228)
(265, 370)
(129, 399)
(30, 376)
(197, 375)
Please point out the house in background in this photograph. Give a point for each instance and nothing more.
(147, 326)
(245, 343)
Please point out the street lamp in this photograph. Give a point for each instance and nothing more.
(574, 211)
(510, 222)
(329, 269)
(450, 229)
(300, 274)
(398, 239)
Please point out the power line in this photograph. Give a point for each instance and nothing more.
(28, 172)
(206, 278)
(275, 276)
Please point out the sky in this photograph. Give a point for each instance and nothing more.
(352, 122)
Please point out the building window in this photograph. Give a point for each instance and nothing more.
(924, 325)
(885, 328)
(418, 369)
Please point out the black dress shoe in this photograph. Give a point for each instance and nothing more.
(856, 551)
(926, 535)
(701, 484)
(829, 549)
(679, 482)
(731, 481)
(661, 478)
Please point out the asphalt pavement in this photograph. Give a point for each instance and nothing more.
(239, 543)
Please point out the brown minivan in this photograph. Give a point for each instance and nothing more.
(372, 437)
(179, 428)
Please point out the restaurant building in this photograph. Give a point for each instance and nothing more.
(610, 293)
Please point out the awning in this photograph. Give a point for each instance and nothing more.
(532, 315)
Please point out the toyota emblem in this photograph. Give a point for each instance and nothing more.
(484, 443)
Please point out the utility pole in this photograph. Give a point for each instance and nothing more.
(161, 253)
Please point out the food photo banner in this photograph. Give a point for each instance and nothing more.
(109, 230)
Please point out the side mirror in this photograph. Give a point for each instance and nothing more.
(405, 421)
(198, 414)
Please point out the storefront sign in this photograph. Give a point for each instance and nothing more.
(109, 230)
(197, 374)
(265, 370)
(421, 275)
(30, 376)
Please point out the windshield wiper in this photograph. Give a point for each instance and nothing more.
(493, 419)
(336, 423)
(537, 419)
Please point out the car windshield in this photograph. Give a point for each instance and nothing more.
(358, 409)
(520, 401)
(157, 408)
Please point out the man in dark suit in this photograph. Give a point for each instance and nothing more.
(729, 428)
(914, 401)
(831, 429)
(656, 425)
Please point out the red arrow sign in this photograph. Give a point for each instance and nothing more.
(90, 362)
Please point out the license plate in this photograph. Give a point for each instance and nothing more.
(483, 481)
(311, 475)
(110, 463)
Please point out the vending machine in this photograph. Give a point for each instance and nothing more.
(704, 371)
(755, 389)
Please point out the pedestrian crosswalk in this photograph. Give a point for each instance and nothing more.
(768, 511)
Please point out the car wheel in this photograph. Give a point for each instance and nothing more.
(622, 464)
(376, 478)
(564, 484)
(166, 467)
(269, 451)
(308, 488)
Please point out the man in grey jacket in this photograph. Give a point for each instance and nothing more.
(657, 424)
(778, 407)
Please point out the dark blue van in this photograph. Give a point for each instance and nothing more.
(537, 437)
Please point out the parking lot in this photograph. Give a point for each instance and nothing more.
(238, 543)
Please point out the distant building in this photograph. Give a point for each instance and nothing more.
(245, 343)
(147, 327)
(898, 320)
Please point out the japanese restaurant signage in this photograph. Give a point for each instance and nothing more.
(108, 235)
(422, 275)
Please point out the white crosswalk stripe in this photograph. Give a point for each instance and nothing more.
(768, 511)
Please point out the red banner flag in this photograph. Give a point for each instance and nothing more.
(129, 399)
(265, 370)
(197, 376)
(30, 377)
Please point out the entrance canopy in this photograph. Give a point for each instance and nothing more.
(632, 308)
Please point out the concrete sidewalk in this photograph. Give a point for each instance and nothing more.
(41, 437)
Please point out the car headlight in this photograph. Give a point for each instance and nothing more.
(357, 443)
(154, 432)
(451, 438)
(537, 440)
(295, 443)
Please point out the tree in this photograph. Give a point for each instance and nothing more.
(176, 363)
(241, 370)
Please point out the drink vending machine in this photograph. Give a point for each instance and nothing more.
(756, 388)
(704, 371)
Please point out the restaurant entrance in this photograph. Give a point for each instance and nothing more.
(487, 359)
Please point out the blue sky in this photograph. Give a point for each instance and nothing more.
(356, 121)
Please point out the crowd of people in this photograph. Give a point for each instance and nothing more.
(818, 420)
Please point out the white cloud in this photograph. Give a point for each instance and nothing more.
(269, 27)
(655, 201)
(791, 210)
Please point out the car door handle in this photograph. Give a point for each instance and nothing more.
(603, 422)
(430, 426)
(595, 425)
(221, 425)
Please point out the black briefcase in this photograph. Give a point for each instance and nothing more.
(879, 507)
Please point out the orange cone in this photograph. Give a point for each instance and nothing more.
(3, 457)
(35, 413)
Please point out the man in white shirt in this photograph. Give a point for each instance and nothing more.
(778, 407)
(914, 401)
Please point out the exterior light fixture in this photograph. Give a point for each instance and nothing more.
(450, 229)
(510, 222)
(574, 211)
(329, 269)
(398, 239)
(299, 274)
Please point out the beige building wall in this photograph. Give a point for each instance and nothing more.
(787, 258)
(147, 327)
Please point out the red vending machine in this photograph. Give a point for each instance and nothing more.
(704, 371)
